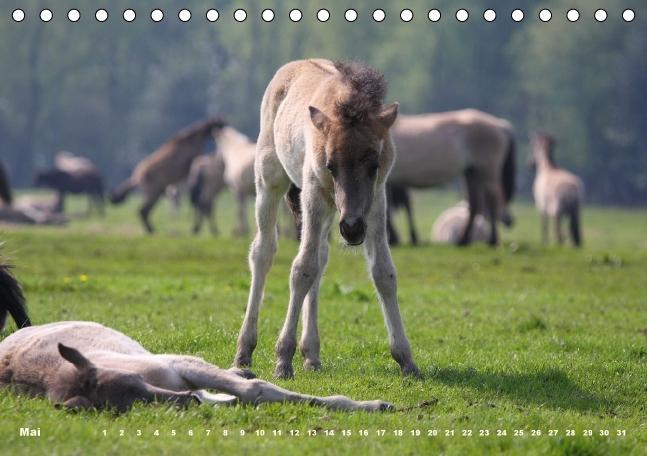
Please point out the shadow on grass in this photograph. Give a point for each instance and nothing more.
(550, 388)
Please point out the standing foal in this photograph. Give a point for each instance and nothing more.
(324, 130)
(556, 191)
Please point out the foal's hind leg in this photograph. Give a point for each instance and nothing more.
(558, 228)
(271, 185)
(383, 273)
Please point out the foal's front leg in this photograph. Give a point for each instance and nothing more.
(306, 272)
(383, 273)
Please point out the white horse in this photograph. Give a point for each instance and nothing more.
(324, 129)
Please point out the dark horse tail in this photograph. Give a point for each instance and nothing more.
(12, 300)
(119, 194)
(293, 198)
(508, 175)
(5, 186)
(195, 189)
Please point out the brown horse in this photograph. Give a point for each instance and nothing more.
(6, 196)
(324, 129)
(434, 149)
(557, 192)
(170, 164)
(108, 369)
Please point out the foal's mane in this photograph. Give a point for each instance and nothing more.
(368, 89)
(202, 128)
(548, 142)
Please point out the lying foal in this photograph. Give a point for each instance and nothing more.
(107, 369)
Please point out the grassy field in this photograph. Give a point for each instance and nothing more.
(518, 339)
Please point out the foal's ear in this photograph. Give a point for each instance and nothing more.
(389, 114)
(75, 357)
(319, 119)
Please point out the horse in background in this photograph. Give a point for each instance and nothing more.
(325, 130)
(450, 224)
(6, 195)
(170, 164)
(206, 180)
(557, 192)
(63, 182)
(434, 149)
(398, 197)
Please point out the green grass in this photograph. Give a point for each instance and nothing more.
(520, 337)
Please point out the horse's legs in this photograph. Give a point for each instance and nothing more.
(412, 225)
(393, 237)
(243, 227)
(306, 269)
(473, 203)
(268, 197)
(59, 205)
(558, 228)
(544, 229)
(197, 219)
(492, 215)
(310, 336)
(199, 374)
(380, 263)
(151, 197)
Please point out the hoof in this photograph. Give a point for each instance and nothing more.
(283, 371)
(411, 370)
(243, 360)
(311, 365)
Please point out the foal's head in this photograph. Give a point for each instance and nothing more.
(90, 386)
(349, 142)
(543, 146)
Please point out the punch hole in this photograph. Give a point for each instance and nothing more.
(489, 15)
(350, 15)
(46, 15)
(517, 15)
(406, 15)
(600, 15)
(267, 15)
(101, 15)
(379, 15)
(129, 15)
(545, 15)
(157, 15)
(240, 15)
(628, 15)
(212, 15)
(184, 15)
(323, 15)
(572, 15)
(295, 15)
(73, 15)
(18, 15)
(462, 15)
(434, 15)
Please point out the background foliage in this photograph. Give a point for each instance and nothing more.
(114, 91)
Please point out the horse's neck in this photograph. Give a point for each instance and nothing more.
(544, 162)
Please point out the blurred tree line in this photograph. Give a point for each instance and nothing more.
(114, 91)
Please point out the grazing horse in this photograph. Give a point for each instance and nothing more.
(85, 365)
(170, 164)
(206, 180)
(556, 191)
(450, 224)
(433, 149)
(6, 196)
(63, 182)
(324, 130)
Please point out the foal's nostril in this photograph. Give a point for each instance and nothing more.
(353, 230)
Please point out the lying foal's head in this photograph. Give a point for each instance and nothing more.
(89, 386)
(350, 142)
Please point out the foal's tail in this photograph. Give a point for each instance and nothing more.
(508, 175)
(576, 230)
(12, 300)
(121, 192)
(293, 198)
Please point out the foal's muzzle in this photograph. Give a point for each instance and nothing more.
(353, 230)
